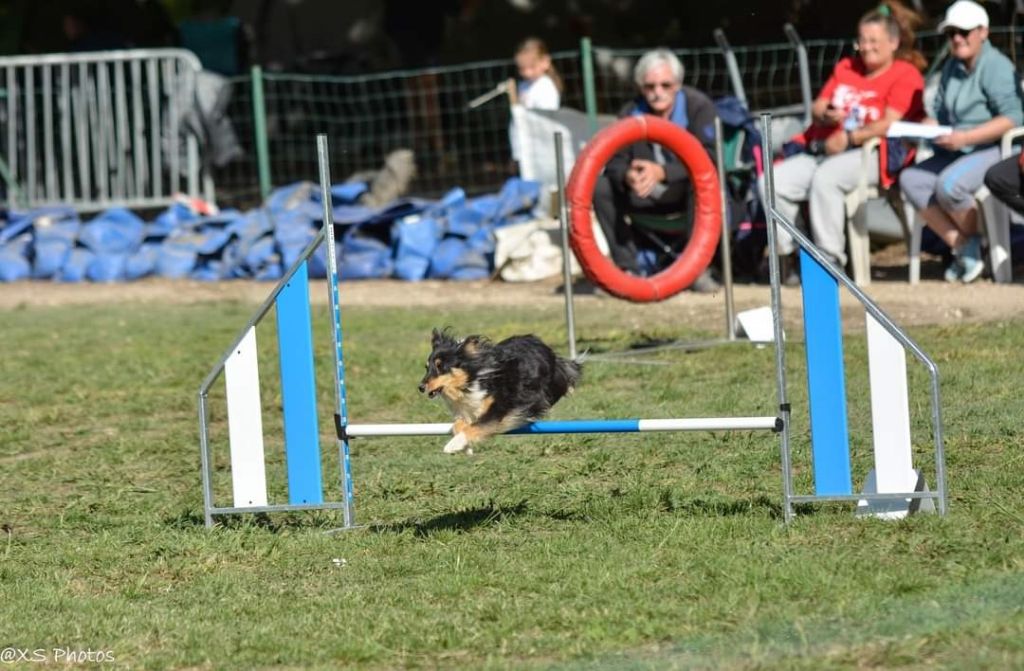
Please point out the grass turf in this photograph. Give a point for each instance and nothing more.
(593, 551)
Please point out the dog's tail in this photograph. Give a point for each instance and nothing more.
(571, 371)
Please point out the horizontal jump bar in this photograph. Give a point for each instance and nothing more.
(581, 426)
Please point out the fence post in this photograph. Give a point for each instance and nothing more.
(259, 125)
(731, 65)
(13, 193)
(589, 94)
(805, 69)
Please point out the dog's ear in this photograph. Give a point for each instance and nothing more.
(436, 338)
(471, 345)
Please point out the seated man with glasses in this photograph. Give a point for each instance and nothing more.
(979, 98)
(646, 177)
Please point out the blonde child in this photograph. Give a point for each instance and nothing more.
(539, 85)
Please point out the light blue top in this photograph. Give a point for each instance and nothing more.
(968, 99)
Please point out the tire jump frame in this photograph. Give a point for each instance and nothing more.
(290, 298)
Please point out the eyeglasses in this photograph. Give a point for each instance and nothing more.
(962, 32)
(650, 86)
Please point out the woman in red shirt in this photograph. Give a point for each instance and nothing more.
(864, 95)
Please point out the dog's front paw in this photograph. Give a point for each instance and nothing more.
(458, 443)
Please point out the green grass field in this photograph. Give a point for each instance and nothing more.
(655, 551)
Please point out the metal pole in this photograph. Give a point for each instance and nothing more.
(589, 92)
(259, 125)
(563, 221)
(341, 407)
(204, 460)
(805, 69)
(780, 349)
(730, 308)
(731, 65)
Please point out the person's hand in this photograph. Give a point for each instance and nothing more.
(955, 141)
(833, 115)
(643, 176)
(836, 143)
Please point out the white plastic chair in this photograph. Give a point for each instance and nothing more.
(859, 226)
(994, 223)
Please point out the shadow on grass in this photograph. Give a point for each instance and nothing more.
(462, 520)
(692, 507)
(191, 519)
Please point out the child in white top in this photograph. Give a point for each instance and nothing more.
(539, 84)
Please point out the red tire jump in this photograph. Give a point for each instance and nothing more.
(707, 222)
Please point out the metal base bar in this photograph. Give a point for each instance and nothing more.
(580, 426)
(811, 498)
(280, 508)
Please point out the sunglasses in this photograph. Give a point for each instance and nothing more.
(650, 86)
(962, 32)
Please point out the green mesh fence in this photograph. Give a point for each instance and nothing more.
(367, 117)
(428, 111)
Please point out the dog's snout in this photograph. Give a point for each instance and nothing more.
(423, 387)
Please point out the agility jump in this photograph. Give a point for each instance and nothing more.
(893, 491)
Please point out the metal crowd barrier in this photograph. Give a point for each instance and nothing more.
(102, 129)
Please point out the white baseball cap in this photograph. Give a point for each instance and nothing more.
(966, 15)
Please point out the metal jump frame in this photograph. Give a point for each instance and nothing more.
(777, 424)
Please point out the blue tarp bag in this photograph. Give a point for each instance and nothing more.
(292, 234)
(364, 257)
(208, 270)
(14, 264)
(54, 240)
(115, 231)
(516, 195)
(349, 192)
(346, 193)
(415, 242)
(107, 268)
(445, 258)
(482, 241)
(260, 253)
(78, 262)
(465, 222)
(272, 271)
(13, 267)
(143, 262)
(170, 220)
(176, 260)
(21, 222)
(17, 225)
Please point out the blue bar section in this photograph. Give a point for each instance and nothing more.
(826, 386)
(298, 388)
(582, 426)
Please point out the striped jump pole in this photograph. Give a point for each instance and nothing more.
(892, 488)
(581, 426)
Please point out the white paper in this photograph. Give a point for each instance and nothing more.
(922, 131)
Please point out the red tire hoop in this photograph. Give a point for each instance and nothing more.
(707, 222)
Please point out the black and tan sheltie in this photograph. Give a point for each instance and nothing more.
(494, 388)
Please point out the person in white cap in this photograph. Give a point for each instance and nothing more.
(979, 98)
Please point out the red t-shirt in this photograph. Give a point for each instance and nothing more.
(901, 87)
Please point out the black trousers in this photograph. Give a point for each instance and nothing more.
(613, 202)
(1004, 181)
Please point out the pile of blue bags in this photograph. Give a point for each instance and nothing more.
(410, 239)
